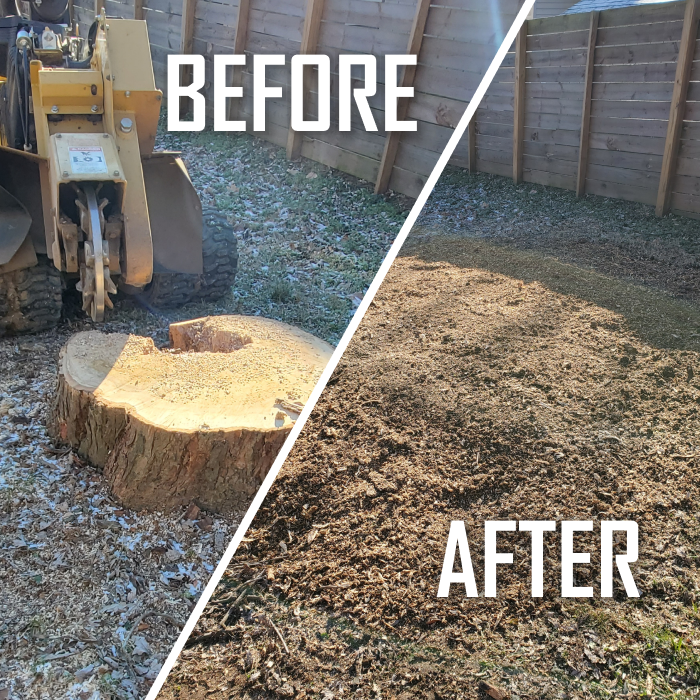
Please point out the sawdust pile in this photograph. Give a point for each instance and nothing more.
(470, 394)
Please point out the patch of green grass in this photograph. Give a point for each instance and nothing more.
(594, 618)
(281, 292)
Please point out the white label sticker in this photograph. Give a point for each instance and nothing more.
(87, 161)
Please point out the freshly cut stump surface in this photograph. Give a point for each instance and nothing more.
(201, 421)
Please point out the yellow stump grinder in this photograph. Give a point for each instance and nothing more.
(84, 199)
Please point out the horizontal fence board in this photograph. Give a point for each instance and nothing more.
(557, 25)
(376, 15)
(264, 43)
(630, 127)
(555, 74)
(635, 73)
(628, 144)
(565, 137)
(549, 165)
(636, 53)
(276, 24)
(684, 184)
(641, 14)
(562, 57)
(623, 176)
(620, 191)
(629, 109)
(566, 106)
(550, 150)
(688, 165)
(492, 156)
(494, 143)
(540, 177)
(436, 110)
(640, 33)
(634, 69)
(363, 143)
(466, 26)
(340, 159)
(632, 161)
(353, 39)
(660, 92)
(169, 7)
(486, 128)
(560, 40)
(685, 203)
(485, 166)
(456, 54)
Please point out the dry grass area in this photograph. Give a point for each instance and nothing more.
(485, 383)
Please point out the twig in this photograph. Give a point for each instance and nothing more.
(224, 619)
(58, 656)
(266, 620)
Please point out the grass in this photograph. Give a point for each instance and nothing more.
(309, 238)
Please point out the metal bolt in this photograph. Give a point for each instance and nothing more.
(105, 136)
(128, 93)
(93, 108)
(54, 109)
(65, 173)
(59, 136)
(116, 173)
(126, 125)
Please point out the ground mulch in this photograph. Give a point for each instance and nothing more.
(487, 382)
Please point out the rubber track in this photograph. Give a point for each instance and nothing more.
(30, 300)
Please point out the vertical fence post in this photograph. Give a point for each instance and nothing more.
(471, 144)
(239, 43)
(138, 9)
(391, 143)
(586, 113)
(99, 6)
(186, 39)
(519, 103)
(309, 42)
(675, 120)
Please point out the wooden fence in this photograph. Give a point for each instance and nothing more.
(605, 103)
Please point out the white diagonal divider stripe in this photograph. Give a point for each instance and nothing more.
(342, 345)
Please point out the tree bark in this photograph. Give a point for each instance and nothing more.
(201, 421)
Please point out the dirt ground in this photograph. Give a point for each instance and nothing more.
(499, 375)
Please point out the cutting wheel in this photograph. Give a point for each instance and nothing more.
(95, 282)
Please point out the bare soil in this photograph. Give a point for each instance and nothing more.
(485, 383)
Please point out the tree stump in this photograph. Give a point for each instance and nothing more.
(201, 421)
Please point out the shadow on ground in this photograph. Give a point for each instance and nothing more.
(656, 317)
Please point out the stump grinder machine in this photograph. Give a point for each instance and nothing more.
(85, 202)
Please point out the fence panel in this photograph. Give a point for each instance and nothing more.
(621, 95)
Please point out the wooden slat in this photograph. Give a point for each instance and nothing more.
(309, 41)
(641, 14)
(471, 144)
(680, 90)
(586, 115)
(138, 9)
(519, 103)
(239, 46)
(415, 41)
(186, 36)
